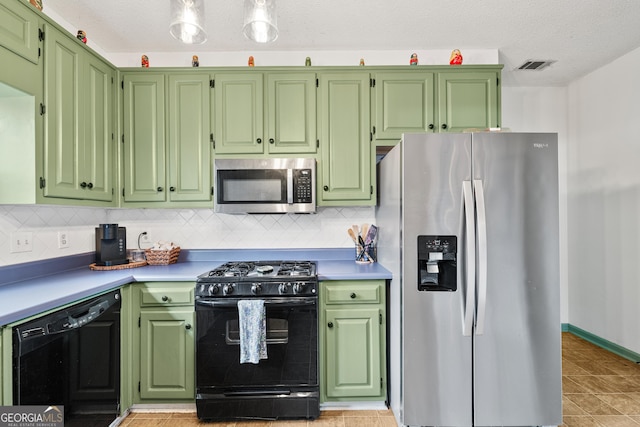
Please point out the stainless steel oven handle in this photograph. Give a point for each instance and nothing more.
(233, 302)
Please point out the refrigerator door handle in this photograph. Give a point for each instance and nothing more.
(470, 255)
(482, 255)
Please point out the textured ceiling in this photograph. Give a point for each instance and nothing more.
(581, 35)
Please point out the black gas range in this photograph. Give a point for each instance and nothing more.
(284, 385)
(259, 279)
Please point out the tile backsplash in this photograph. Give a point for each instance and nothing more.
(188, 228)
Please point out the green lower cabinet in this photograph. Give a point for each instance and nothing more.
(353, 341)
(162, 342)
(167, 354)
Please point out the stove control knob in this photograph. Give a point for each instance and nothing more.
(256, 288)
(298, 287)
(213, 289)
(227, 289)
(283, 288)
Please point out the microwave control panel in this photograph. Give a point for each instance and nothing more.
(302, 186)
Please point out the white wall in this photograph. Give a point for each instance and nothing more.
(544, 109)
(604, 202)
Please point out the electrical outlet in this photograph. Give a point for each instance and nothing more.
(21, 241)
(63, 239)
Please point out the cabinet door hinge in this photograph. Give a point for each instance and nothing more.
(138, 386)
(40, 34)
(370, 136)
(212, 190)
(122, 139)
(113, 191)
(371, 192)
(374, 130)
(112, 80)
(372, 82)
(213, 141)
(123, 196)
(43, 109)
(317, 82)
(39, 53)
(212, 84)
(139, 317)
(43, 182)
(379, 314)
(122, 84)
(498, 81)
(317, 143)
(381, 383)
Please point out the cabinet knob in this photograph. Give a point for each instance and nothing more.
(90, 185)
(160, 189)
(83, 184)
(187, 326)
(259, 140)
(165, 298)
(431, 126)
(330, 325)
(272, 141)
(353, 295)
(172, 188)
(326, 188)
(444, 126)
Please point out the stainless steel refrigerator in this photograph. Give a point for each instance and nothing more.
(468, 224)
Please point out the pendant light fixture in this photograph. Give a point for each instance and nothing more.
(187, 21)
(260, 21)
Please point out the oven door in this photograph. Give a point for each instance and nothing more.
(292, 347)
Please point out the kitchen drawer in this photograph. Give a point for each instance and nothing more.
(166, 296)
(352, 292)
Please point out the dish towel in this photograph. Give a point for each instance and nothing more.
(253, 330)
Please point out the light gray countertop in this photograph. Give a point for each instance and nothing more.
(33, 288)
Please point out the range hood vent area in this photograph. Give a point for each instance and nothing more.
(535, 64)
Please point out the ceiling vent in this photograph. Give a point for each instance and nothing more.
(535, 64)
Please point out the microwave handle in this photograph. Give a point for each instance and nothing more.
(290, 186)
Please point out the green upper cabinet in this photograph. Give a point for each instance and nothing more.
(468, 100)
(265, 113)
(144, 137)
(19, 30)
(189, 147)
(78, 106)
(346, 161)
(291, 113)
(404, 102)
(238, 113)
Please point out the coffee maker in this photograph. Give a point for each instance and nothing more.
(111, 245)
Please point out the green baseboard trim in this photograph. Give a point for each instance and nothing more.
(601, 342)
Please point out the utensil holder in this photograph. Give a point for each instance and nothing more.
(366, 254)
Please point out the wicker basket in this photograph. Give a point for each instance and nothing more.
(155, 257)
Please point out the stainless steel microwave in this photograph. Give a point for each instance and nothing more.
(265, 185)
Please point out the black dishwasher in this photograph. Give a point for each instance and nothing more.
(72, 357)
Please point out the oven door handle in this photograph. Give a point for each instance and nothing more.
(233, 302)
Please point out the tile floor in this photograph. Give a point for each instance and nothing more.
(600, 389)
(336, 418)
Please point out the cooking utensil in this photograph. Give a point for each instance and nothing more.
(352, 235)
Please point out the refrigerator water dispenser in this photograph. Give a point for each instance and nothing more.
(437, 263)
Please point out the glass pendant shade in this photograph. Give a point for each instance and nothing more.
(260, 21)
(187, 21)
